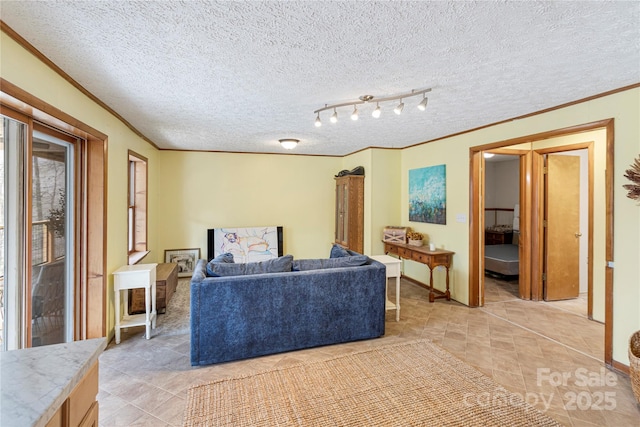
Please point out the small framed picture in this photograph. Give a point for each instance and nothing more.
(185, 258)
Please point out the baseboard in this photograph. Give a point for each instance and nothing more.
(426, 286)
(620, 367)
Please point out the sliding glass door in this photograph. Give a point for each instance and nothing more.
(37, 253)
(51, 238)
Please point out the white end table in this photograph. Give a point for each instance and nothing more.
(133, 277)
(394, 267)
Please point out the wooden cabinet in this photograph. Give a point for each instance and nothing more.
(81, 408)
(166, 283)
(349, 231)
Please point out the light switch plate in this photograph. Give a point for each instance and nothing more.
(461, 217)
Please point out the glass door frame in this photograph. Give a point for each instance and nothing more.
(15, 311)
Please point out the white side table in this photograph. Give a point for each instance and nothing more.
(393, 270)
(133, 277)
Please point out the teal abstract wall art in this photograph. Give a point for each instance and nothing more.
(428, 194)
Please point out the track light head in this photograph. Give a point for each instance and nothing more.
(318, 121)
(334, 116)
(376, 112)
(399, 108)
(423, 104)
(354, 115)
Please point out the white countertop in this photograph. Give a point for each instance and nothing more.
(34, 382)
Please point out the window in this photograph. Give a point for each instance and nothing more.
(137, 207)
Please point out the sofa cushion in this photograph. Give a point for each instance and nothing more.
(226, 258)
(338, 251)
(276, 265)
(319, 264)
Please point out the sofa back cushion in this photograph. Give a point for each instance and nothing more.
(320, 264)
(276, 265)
(338, 251)
(226, 258)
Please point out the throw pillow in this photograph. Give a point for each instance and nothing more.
(276, 265)
(320, 264)
(338, 251)
(226, 258)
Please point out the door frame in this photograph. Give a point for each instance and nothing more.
(529, 180)
(91, 227)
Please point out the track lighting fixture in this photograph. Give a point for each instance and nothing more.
(376, 112)
(364, 99)
(354, 115)
(289, 143)
(423, 104)
(399, 107)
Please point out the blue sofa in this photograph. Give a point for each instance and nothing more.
(238, 317)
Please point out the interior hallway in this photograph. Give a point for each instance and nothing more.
(145, 382)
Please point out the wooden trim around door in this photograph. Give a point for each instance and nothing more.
(476, 218)
(524, 242)
(608, 281)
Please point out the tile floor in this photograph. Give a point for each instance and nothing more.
(524, 346)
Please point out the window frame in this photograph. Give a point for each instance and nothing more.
(137, 203)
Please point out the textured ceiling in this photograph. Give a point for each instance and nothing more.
(238, 76)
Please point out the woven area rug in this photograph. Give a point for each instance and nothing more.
(175, 321)
(408, 384)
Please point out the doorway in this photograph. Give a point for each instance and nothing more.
(566, 224)
(532, 212)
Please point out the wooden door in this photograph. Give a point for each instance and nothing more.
(562, 231)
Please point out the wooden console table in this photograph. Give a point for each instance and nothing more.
(422, 254)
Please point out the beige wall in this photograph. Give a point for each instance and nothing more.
(624, 108)
(385, 197)
(24, 70)
(190, 192)
(198, 191)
